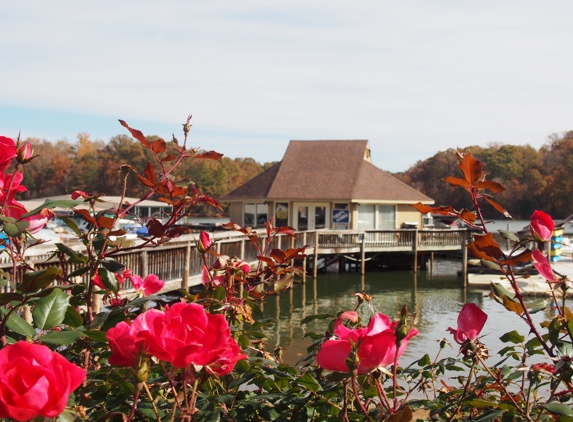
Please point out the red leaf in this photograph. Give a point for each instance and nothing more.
(491, 185)
(170, 157)
(498, 207)
(266, 260)
(137, 135)
(150, 173)
(485, 247)
(454, 181)
(155, 228)
(211, 155)
(278, 255)
(104, 222)
(286, 230)
(471, 168)
(86, 216)
(144, 180)
(158, 146)
(524, 256)
(468, 216)
(442, 209)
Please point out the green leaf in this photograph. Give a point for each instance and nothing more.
(313, 317)
(6, 298)
(491, 416)
(51, 310)
(96, 335)
(509, 235)
(53, 203)
(61, 337)
(480, 404)
(108, 279)
(309, 382)
(16, 229)
(512, 337)
(98, 242)
(73, 318)
(71, 223)
(488, 265)
(75, 257)
(558, 409)
(536, 306)
(79, 271)
(113, 266)
(284, 283)
(39, 279)
(18, 324)
(220, 293)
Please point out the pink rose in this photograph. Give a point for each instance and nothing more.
(34, 381)
(25, 153)
(470, 323)
(7, 152)
(124, 345)
(541, 226)
(185, 334)
(205, 241)
(80, 193)
(150, 285)
(376, 344)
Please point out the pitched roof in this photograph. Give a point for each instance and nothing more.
(327, 170)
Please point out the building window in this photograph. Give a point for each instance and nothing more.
(386, 217)
(366, 217)
(256, 215)
(281, 214)
(319, 217)
(250, 214)
(262, 214)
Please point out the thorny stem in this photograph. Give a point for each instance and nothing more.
(345, 408)
(170, 380)
(151, 400)
(357, 398)
(135, 399)
(384, 402)
(466, 386)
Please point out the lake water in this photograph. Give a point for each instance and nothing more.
(436, 298)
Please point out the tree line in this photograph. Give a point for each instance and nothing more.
(534, 179)
(92, 166)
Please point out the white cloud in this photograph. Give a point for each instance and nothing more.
(412, 77)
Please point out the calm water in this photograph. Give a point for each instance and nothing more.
(435, 297)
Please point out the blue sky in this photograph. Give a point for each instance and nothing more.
(412, 77)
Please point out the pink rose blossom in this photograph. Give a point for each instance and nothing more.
(541, 226)
(205, 242)
(376, 344)
(7, 152)
(470, 323)
(124, 344)
(150, 285)
(80, 193)
(185, 334)
(34, 381)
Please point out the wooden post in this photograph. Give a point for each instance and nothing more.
(464, 261)
(144, 271)
(431, 262)
(363, 254)
(315, 269)
(305, 261)
(415, 248)
(186, 263)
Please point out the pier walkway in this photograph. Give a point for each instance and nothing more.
(179, 262)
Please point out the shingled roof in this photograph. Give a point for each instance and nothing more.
(327, 170)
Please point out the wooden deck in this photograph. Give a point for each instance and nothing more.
(179, 263)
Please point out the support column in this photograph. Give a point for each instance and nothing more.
(464, 261)
(415, 248)
(315, 269)
(186, 262)
(363, 254)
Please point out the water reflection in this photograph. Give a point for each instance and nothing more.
(435, 297)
